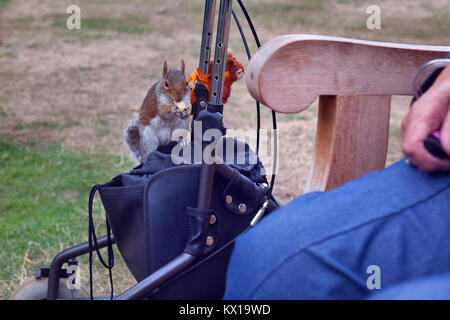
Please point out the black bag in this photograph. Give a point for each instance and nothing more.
(153, 217)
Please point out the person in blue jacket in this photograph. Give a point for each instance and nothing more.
(383, 236)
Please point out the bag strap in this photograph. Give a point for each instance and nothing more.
(93, 242)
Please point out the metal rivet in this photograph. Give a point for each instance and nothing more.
(212, 219)
(209, 241)
(242, 207)
(229, 199)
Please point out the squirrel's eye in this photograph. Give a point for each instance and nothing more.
(166, 84)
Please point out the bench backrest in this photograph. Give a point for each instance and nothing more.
(354, 81)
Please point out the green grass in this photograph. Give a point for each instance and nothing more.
(8, 54)
(96, 28)
(57, 125)
(130, 24)
(152, 76)
(74, 36)
(4, 4)
(294, 17)
(246, 114)
(3, 113)
(43, 204)
(133, 25)
(102, 126)
(295, 116)
(419, 28)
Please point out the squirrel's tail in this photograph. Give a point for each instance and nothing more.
(132, 138)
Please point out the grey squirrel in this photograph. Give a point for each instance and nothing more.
(166, 107)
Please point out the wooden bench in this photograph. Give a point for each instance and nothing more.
(354, 81)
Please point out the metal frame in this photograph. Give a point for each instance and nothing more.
(223, 31)
(208, 21)
(65, 256)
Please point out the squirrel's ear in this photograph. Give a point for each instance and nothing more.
(165, 69)
(182, 66)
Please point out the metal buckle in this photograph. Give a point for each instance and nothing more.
(259, 214)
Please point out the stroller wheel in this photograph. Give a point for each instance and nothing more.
(36, 289)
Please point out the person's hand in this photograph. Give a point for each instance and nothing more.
(429, 113)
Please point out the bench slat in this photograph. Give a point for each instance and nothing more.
(351, 140)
